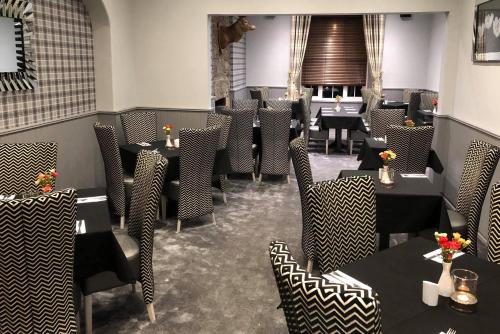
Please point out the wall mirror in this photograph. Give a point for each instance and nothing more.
(17, 61)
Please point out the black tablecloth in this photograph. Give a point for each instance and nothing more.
(370, 159)
(344, 119)
(424, 117)
(411, 205)
(97, 250)
(396, 275)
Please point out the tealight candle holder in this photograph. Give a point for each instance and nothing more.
(464, 298)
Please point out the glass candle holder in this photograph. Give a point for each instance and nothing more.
(464, 298)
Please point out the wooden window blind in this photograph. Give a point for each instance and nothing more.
(335, 52)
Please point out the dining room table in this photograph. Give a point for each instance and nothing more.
(411, 205)
(396, 275)
(348, 117)
(370, 159)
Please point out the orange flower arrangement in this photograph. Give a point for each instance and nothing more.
(46, 180)
(434, 102)
(409, 123)
(450, 247)
(387, 156)
(167, 128)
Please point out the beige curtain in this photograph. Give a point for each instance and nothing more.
(374, 26)
(298, 43)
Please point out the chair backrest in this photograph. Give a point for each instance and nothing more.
(245, 104)
(256, 94)
(302, 167)
(222, 121)
(265, 93)
(426, 100)
(148, 183)
(239, 143)
(314, 305)
(407, 94)
(374, 102)
(21, 163)
(197, 154)
(110, 151)
(494, 226)
(342, 214)
(279, 104)
(37, 239)
(139, 127)
(275, 132)
(479, 167)
(382, 118)
(413, 105)
(412, 146)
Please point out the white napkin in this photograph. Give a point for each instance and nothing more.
(340, 277)
(378, 138)
(7, 197)
(351, 112)
(80, 226)
(176, 143)
(436, 255)
(144, 144)
(93, 199)
(414, 176)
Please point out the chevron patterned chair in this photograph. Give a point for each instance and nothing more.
(479, 167)
(239, 145)
(275, 132)
(494, 227)
(302, 167)
(412, 146)
(116, 180)
(380, 119)
(246, 104)
(193, 190)
(221, 165)
(139, 127)
(37, 240)
(260, 94)
(21, 163)
(280, 105)
(312, 304)
(137, 242)
(426, 100)
(342, 215)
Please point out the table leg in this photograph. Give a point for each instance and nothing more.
(383, 241)
(338, 139)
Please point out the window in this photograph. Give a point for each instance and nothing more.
(335, 60)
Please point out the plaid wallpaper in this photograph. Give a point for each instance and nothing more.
(62, 43)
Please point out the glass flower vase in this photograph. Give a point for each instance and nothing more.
(386, 175)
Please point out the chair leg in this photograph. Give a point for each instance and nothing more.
(122, 222)
(213, 218)
(224, 198)
(151, 312)
(351, 143)
(309, 265)
(133, 287)
(326, 147)
(260, 178)
(178, 225)
(288, 179)
(163, 207)
(253, 177)
(88, 313)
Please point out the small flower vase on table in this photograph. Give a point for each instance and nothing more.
(168, 130)
(168, 142)
(338, 98)
(434, 104)
(386, 175)
(448, 248)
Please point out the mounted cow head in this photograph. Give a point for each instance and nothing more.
(234, 32)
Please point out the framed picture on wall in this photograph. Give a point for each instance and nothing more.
(486, 42)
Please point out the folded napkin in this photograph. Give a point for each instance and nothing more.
(414, 176)
(80, 227)
(338, 276)
(351, 112)
(436, 255)
(7, 197)
(378, 138)
(144, 144)
(92, 199)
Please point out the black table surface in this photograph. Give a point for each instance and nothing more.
(370, 159)
(410, 205)
(97, 250)
(394, 105)
(396, 275)
(349, 118)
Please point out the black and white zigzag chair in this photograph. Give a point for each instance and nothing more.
(139, 127)
(137, 242)
(426, 100)
(342, 215)
(302, 167)
(239, 145)
(21, 163)
(312, 304)
(412, 146)
(246, 104)
(37, 239)
(479, 167)
(280, 105)
(494, 227)
(193, 190)
(382, 118)
(221, 164)
(275, 132)
(116, 181)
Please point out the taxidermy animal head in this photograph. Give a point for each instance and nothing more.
(234, 32)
